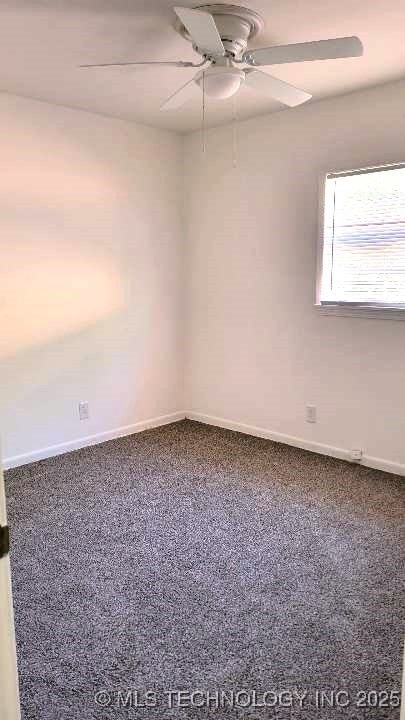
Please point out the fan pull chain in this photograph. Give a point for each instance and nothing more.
(234, 131)
(203, 114)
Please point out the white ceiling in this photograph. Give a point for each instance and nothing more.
(43, 41)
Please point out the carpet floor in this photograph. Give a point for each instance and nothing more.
(191, 558)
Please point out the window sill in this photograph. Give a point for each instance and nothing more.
(362, 312)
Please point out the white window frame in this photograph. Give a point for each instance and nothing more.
(347, 309)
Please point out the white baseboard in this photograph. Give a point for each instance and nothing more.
(311, 445)
(53, 450)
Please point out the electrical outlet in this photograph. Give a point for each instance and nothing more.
(310, 414)
(84, 410)
(356, 455)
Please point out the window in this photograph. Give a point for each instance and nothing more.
(363, 255)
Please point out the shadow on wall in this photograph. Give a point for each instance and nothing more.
(78, 283)
(51, 290)
(60, 272)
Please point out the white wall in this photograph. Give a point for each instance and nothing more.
(94, 292)
(258, 349)
(91, 274)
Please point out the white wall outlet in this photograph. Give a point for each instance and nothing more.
(356, 455)
(310, 413)
(84, 410)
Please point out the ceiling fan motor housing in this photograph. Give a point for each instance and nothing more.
(236, 26)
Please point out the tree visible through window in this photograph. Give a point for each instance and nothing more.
(364, 238)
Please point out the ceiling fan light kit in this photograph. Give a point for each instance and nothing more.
(220, 82)
(220, 33)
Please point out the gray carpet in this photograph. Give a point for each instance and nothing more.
(193, 558)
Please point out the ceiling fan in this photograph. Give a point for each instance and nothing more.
(220, 34)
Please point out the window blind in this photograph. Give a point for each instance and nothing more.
(364, 238)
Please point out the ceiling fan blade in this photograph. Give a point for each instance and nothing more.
(202, 29)
(179, 63)
(277, 89)
(302, 52)
(186, 93)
